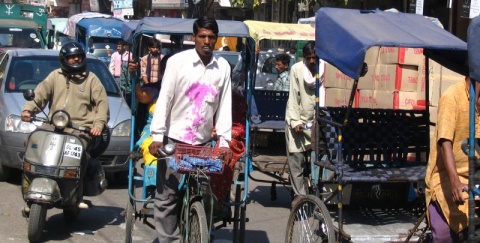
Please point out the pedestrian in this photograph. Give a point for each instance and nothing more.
(195, 96)
(150, 63)
(300, 113)
(282, 62)
(119, 68)
(447, 170)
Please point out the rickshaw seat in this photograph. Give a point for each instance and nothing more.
(271, 107)
(382, 144)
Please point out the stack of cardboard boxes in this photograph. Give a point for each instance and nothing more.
(395, 80)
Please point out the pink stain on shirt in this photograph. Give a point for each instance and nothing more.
(198, 94)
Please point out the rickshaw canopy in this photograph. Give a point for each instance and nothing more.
(343, 37)
(260, 30)
(159, 25)
(128, 28)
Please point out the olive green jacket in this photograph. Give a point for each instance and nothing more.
(82, 96)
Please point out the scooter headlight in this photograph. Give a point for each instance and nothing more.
(60, 119)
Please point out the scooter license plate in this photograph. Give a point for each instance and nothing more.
(73, 150)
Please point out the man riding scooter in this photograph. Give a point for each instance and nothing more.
(75, 90)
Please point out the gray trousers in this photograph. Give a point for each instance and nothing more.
(296, 165)
(167, 203)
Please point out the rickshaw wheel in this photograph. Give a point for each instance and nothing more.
(130, 216)
(310, 221)
(129, 221)
(239, 218)
(239, 223)
(197, 229)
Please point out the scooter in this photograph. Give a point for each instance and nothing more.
(53, 176)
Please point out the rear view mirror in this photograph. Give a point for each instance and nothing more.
(29, 94)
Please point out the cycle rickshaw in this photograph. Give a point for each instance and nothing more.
(196, 216)
(271, 104)
(372, 143)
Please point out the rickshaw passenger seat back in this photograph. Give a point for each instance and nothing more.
(383, 138)
(271, 105)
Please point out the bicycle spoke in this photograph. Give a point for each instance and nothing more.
(310, 222)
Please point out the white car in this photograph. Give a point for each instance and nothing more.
(266, 72)
(22, 69)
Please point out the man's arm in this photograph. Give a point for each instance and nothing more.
(43, 91)
(143, 69)
(164, 101)
(223, 116)
(446, 150)
(446, 127)
(292, 114)
(111, 65)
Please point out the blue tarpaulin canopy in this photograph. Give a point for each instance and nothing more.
(128, 28)
(343, 37)
(159, 25)
(102, 27)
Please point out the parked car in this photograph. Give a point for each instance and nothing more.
(22, 69)
(266, 71)
(236, 64)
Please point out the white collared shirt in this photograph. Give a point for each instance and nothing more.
(193, 99)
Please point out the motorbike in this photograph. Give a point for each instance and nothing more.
(53, 173)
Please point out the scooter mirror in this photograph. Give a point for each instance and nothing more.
(28, 94)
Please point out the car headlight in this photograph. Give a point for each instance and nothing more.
(14, 123)
(60, 119)
(122, 129)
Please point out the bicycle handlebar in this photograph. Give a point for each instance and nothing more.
(335, 124)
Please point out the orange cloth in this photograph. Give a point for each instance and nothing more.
(221, 183)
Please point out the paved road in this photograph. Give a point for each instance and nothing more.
(103, 222)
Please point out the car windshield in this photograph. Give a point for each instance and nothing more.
(18, 37)
(232, 57)
(103, 49)
(236, 64)
(28, 71)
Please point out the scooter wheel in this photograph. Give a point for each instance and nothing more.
(36, 221)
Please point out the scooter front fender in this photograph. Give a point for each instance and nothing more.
(43, 190)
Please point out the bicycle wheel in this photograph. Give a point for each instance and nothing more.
(197, 230)
(130, 215)
(310, 221)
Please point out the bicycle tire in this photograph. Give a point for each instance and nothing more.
(197, 230)
(130, 214)
(129, 221)
(311, 218)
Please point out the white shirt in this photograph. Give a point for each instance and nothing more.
(193, 98)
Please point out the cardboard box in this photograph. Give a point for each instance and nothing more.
(372, 56)
(413, 157)
(433, 113)
(335, 97)
(401, 55)
(390, 77)
(375, 99)
(404, 100)
(435, 81)
(334, 78)
(447, 81)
